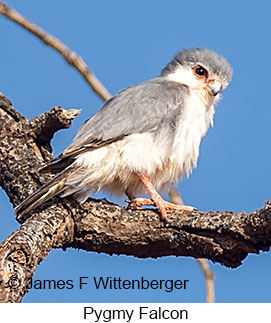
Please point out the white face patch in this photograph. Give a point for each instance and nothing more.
(185, 75)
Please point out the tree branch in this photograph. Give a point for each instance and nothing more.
(23, 250)
(101, 226)
(70, 57)
(43, 127)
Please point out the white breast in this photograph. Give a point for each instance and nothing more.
(192, 126)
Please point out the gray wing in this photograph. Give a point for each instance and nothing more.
(147, 107)
(141, 108)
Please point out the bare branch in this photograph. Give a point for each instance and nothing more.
(71, 57)
(103, 227)
(175, 197)
(23, 250)
(43, 127)
(100, 226)
(209, 280)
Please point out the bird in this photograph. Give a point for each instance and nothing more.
(144, 139)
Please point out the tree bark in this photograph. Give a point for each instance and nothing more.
(99, 225)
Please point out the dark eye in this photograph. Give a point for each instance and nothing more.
(200, 71)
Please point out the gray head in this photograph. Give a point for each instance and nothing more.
(196, 67)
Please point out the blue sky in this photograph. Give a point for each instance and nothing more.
(124, 43)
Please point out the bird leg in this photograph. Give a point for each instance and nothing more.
(157, 200)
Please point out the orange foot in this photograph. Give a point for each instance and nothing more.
(156, 199)
(161, 204)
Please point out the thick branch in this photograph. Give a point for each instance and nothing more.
(223, 237)
(100, 226)
(70, 57)
(23, 250)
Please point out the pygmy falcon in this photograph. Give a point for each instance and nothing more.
(144, 138)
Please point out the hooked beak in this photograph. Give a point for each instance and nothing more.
(214, 87)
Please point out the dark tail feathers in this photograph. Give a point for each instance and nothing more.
(45, 192)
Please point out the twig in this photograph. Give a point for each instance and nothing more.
(209, 280)
(71, 57)
(175, 198)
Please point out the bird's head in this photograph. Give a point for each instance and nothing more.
(200, 69)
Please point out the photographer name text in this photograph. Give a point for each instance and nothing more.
(110, 283)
